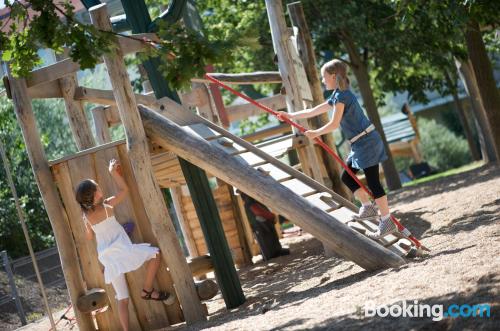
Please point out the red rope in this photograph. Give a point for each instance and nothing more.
(320, 142)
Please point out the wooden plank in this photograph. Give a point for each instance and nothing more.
(246, 254)
(52, 72)
(82, 135)
(339, 237)
(163, 276)
(152, 315)
(103, 135)
(106, 97)
(149, 191)
(87, 254)
(45, 91)
(295, 83)
(74, 171)
(267, 133)
(204, 131)
(244, 111)
(269, 159)
(200, 265)
(87, 151)
(249, 78)
(49, 194)
(176, 194)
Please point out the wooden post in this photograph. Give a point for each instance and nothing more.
(50, 196)
(345, 241)
(151, 195)
(240, 227)
(306, 53)
(101, 125)
(176, 194)
(295, 89)
(76, 113)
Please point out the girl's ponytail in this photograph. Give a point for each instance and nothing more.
(338, 68)
(85, 194)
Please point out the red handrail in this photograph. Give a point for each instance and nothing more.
(320, 142)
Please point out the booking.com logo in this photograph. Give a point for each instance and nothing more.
(436, 312)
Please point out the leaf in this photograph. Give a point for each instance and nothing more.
(6, 56)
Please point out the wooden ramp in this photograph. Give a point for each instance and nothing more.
(315, 208)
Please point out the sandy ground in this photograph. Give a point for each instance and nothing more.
(457, 217)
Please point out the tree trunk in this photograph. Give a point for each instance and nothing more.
(483, 128)
(483, 72)
(463, 118)
(360, 70)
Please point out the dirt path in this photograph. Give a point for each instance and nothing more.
(457, 217)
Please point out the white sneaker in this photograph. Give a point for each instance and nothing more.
(366, 212)
(385, 227)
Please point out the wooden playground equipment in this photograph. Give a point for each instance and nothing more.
(163, 138)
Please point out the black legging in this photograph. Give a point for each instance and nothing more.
(372, 178)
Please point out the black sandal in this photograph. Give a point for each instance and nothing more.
(166, 297)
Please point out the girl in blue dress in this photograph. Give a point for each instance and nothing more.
(367, 148)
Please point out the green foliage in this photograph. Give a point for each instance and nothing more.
(44, 28)
(186, 53)
(249, 125)
(11, 236)
(441, 148)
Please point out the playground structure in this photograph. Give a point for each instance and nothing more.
(162, 137)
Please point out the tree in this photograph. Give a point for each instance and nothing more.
(460, 23)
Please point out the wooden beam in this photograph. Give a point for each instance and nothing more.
(154, 203)
(176, 193)
(67, 66)
(106, 97)
(200, 265)
(52, 72)
(346, 242)
(47, 90)
(291, 69)
(50, 196)
(244, 111)
(308, 58)
(78, 122)
(264, 77)
(101, 125)
(266, 133)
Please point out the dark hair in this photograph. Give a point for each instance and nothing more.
(85, 194)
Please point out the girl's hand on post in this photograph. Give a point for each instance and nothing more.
(114, 167)
(283, 116)
(311, 134)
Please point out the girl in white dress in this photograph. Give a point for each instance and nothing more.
(115, 250)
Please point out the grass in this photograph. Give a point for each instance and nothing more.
(446, 173)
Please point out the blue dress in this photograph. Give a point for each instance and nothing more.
(368, 150)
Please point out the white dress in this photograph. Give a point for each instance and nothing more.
(115, 251)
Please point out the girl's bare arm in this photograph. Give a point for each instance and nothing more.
(330, 126)
(307, 113)
(89, 233)
(114, 169)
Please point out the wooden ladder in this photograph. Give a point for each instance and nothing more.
(264, 157)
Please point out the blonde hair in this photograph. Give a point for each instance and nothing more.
(338, 68)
